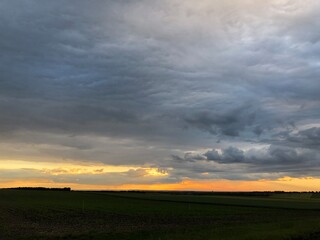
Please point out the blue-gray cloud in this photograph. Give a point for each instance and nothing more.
(148, 80)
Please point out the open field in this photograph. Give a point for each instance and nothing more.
(29, 214)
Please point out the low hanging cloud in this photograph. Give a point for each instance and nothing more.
(271, 159)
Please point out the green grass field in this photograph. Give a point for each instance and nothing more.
(29, 214)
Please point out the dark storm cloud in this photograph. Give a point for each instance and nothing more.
(212, 155)
(224, 121)
(308, 138)
(233, 154)
(135, 82)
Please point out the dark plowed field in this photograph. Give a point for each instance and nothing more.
(28, 214)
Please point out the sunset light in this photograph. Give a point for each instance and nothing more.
(208, 95)
(160, 119)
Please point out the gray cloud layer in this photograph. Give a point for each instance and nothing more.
(133, 82)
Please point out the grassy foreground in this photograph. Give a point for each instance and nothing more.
(28, 214)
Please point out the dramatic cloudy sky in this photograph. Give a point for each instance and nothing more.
(163, 94)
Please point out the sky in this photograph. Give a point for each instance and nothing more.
(160, 95)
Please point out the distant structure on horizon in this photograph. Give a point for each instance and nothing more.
(67, 189)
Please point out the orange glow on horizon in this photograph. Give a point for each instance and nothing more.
(283, 184)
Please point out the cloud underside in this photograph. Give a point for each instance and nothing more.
(208, 90)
